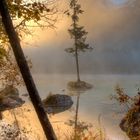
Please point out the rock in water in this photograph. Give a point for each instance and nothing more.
(79, 86)
(130, 124)
(57, 103)
(9, 98)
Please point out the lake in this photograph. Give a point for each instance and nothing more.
(92, 103)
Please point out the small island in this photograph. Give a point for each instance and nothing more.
(79, 86)
(78, 34)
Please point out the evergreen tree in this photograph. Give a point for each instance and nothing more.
(78, 34)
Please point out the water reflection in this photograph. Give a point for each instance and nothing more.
(76, 116)
(80, 128)
(91, 103)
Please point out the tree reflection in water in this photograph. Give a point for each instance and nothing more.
(81, 129)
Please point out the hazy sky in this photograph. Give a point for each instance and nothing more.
(113, 30)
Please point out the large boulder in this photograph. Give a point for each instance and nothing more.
(57, 103)
(130, 124)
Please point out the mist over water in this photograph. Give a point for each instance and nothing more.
(94, 102)
(113, 32)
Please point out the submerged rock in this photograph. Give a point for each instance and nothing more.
(79, 86)
(57, 103)
(130, 124)
(9, 98)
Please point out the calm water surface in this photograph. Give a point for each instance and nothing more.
(93, 103)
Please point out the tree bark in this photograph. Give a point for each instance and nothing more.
(77, 65)
(25, 71)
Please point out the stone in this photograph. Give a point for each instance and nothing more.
(57, 103)
(9, 98)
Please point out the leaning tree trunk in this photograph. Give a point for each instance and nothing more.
(22, 63)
